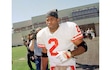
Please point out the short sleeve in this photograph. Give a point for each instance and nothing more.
(77, 34)
(40, 39)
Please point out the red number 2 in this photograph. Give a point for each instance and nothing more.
(51, 50)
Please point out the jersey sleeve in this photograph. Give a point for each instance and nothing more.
(77, 34)
(40, 39)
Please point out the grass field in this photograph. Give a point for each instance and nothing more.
(19, 58)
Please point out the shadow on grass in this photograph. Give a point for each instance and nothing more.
(87, 67)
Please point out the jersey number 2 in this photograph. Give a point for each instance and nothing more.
(51, 50)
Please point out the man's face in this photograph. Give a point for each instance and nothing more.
(52, 22)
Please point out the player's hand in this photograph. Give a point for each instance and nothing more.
(63, 55)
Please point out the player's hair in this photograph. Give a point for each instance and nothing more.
(53, 13)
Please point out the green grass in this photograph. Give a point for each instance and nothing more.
(19, 58)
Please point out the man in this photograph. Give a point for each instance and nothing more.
(58, 42)
(30, 54)
(37, 50)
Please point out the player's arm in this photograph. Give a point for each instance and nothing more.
(81, 47)
(40, 43)
(44, 59)
(79, 42)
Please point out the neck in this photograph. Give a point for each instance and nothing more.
(52, 30)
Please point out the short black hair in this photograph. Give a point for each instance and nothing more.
(53, 13)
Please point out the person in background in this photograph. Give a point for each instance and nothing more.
(89, 33)
(37, 50)
(30, 54)
(92, 33)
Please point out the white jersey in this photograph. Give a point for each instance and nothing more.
(60, 40)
